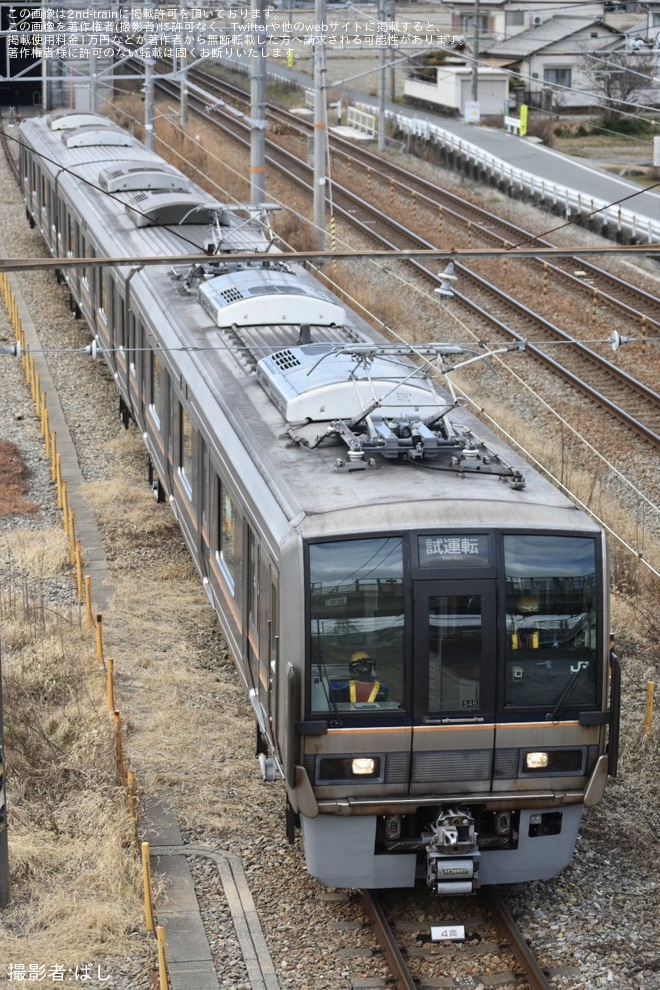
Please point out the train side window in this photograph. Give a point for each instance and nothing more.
(135, 335)
(186, 445)
(356, 625)
(552, 598)
(103, 296)
(117, 317)
(226, 551)
(34, 184)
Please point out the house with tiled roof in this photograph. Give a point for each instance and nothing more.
(549, 47)
(549, 62)
(501, 20)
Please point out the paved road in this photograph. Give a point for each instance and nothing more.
(530, 155)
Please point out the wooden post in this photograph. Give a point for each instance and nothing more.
(79, 573)
(146, 883)
(119, 747)
(99, 638)
(162, 962)
(88, 601)
(53, 454)
(72, 537)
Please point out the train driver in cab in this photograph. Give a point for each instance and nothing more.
(362, 686)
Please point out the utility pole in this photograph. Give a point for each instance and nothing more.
(183, 97)
(381, 79)
(149, 102)
(320, 126)
(258, 76)
(93, 82)
(93, 71)
(475, 53)
(180, 65)
(390, 9)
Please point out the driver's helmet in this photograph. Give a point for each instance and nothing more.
(360, 665)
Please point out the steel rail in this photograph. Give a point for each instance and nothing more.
(535, 976)
(393, 955)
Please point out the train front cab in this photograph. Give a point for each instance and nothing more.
(470, 767)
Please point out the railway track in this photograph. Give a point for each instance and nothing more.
(596, 298)
(494, 947)
(6, 151)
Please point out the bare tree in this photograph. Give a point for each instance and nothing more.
(621, 78)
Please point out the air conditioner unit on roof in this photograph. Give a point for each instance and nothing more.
(537, 20)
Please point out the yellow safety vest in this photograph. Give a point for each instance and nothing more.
(369, 691)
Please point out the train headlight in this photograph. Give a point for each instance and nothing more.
(536, 761)
(344, 769)
(560, 761)
(364, 766)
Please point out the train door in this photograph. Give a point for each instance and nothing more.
(454, 676)
(273, 641)
(203, 529)
(251, 625)
(268, 642)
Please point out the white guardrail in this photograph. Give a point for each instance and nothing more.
(512, 124)
(610, 220)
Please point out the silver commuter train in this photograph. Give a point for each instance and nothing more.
(419, 619)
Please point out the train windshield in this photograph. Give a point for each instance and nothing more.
(492, 624)
(551, 621)
(357, 625)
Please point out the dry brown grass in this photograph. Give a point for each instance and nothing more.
(75, 891)
(13, 482)
(165, 641)
(37, 553)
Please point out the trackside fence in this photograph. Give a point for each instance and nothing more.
(93, 623)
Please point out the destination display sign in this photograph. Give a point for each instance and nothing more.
(453, 549)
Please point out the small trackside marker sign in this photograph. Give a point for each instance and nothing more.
(451, 933)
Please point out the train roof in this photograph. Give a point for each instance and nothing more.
(121, 189)
(322, 411)
(286, 410)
